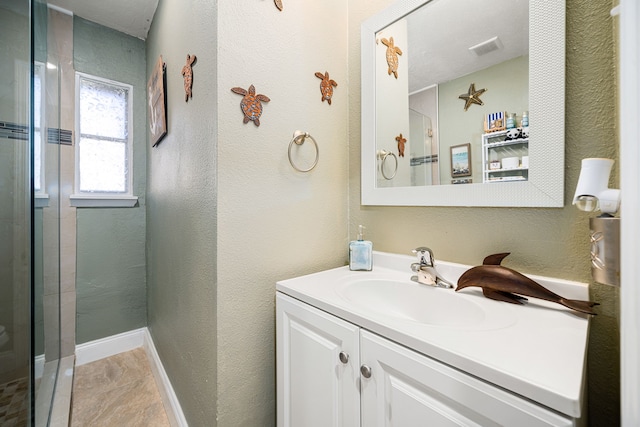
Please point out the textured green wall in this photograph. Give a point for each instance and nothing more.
(181, 212)
(550, 242)
(592, 131)
(111, 273)
(274, 222)
(227, 214)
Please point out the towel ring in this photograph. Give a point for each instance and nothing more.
(298, 138)
(382, 155)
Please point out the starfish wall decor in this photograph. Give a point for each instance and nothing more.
(472, 96)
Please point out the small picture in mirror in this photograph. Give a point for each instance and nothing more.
(494, 122)
(461, 160)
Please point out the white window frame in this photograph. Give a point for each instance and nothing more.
(104, 199)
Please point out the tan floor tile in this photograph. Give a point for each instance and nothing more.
(113, 371)
(117, 391)
(134, 404)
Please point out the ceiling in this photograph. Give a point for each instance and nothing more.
(450, 27)
(441, 33)
(131, 17)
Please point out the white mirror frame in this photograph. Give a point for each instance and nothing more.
(545, 187)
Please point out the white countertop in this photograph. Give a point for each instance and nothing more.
(537, 350)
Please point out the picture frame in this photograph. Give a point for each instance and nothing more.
(460, 160)
(156, 90)
(495, 122)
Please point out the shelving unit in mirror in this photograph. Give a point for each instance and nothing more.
(505, 157)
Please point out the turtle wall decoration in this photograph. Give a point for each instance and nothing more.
(326, 86)
(187, 74)
(278, 4)
(392, 55)
(251, 104)
(401, 141)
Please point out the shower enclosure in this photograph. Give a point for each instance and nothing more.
(424, 151)
(423, 126)
(29, 216)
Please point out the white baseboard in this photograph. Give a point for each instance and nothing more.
(169, 399)
(127, 341)
(109, 346)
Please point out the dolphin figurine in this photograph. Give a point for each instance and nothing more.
(502, 283)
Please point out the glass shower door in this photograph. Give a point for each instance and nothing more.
(46, 217)
(16, 366)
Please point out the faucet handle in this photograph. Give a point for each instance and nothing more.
(421, 253)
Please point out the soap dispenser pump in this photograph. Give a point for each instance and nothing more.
(360, 253)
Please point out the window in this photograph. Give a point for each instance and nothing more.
(38, 131)
(103, 143)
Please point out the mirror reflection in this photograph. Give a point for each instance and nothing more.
(452, 94)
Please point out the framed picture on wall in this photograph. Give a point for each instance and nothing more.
(461, 160)
(157, 103)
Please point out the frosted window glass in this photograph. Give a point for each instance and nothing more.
(37, 160)
(103, 109)
(37, 135)
(103, 149)
(37, 99)
(102, 166)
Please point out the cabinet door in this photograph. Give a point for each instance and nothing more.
(408, 389)
(317, 367)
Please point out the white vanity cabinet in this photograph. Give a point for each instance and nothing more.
(317, 367)
(331, 372)
(408, 389)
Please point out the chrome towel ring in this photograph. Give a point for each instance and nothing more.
(383, 155)
(298, 138)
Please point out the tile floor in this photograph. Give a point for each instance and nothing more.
(14, 400)
(117, 391)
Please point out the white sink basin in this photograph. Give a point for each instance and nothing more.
(424, 304)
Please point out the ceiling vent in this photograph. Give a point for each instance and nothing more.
(486, 46)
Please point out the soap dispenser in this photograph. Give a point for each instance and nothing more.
(360, 253)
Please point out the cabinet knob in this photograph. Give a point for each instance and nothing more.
(344, 357)
(365, 371)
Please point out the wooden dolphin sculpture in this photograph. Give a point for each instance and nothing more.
(502, 283)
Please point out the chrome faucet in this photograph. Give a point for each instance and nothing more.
(426, 269)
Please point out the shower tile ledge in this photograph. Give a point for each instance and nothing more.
(62, 400)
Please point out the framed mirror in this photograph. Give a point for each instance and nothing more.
(439, 74)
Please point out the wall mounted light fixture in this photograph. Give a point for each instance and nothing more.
(593, 194)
